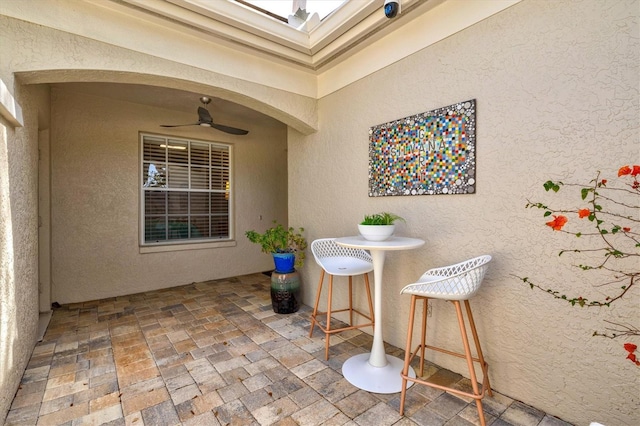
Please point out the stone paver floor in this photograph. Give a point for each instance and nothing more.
(215, 353)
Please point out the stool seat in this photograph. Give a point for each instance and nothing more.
(339, 261)
(345, 266)
(455, 283)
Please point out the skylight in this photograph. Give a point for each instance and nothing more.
(284, 8)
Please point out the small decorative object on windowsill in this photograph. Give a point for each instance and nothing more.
(287, 246)
(379, 226)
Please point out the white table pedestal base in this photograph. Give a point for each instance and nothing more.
(363, 375)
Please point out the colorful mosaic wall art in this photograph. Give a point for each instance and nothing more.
(425, 154)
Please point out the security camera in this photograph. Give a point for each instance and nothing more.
(391, 8)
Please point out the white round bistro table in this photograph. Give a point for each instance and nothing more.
(377, 372)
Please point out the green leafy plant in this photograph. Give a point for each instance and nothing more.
(279, 239)
(383, 218)
(612, 209)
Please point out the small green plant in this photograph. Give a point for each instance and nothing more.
(383, 218)
(279, 239)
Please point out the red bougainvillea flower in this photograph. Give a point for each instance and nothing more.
(633, 359)
(631, 348)
(584, 213)
(635, 171)
(626, 229)
(624, 170)
(558, 222)
(604, 181)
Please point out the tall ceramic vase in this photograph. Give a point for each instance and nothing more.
(285, 284)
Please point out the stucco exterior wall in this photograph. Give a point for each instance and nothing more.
(95, 184)
(18, 242)
(556, 85)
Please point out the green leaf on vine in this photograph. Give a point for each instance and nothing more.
(547, 213)
(585, 192)
(550, 185)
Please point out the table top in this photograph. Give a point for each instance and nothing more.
(393, 243)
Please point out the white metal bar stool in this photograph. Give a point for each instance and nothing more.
(453, 283)
(336, 260)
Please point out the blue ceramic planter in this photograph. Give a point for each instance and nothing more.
(284, 262)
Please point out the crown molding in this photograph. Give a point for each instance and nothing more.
(235, 23)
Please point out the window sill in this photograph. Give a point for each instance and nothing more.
(160, 248)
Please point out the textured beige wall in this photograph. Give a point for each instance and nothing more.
(556, 85)
(95, 197)
(18, 242)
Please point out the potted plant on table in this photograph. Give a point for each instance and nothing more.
(378, 226)
(287, 246)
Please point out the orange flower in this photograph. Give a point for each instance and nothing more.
(584, 213)
(604, 181)
(630, 347)
(635, 171)
(624, 170)
(558, 222)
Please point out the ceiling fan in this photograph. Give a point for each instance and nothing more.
(205, 120)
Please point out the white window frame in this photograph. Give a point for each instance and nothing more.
(190, 243)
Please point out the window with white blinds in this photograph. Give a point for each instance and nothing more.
(185, 190)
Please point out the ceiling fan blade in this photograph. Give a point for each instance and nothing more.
(230, 130)
(204, 116)
(179, 125)
(204, 119)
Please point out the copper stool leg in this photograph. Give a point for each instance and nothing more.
(327, 335)
(350, 300)
(423, 338)
(469, 358)
(485, 368)
(315, 308)
(407, 354)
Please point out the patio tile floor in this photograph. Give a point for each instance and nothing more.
(215, 353)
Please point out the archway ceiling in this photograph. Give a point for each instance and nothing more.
(171, 99)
